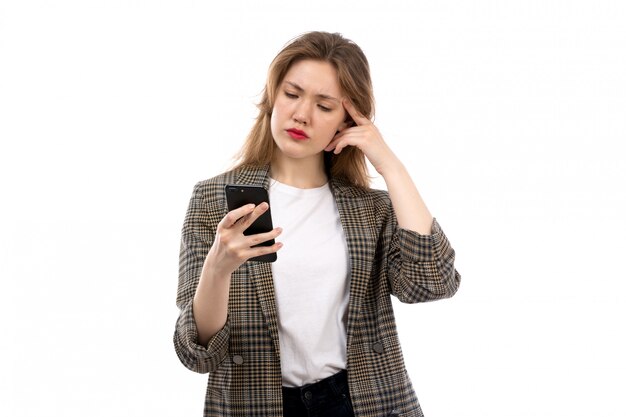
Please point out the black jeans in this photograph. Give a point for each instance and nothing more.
(326, 398)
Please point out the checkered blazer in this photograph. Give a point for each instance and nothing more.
(242, 359)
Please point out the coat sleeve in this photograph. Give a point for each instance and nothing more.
(197, 236)
(421, 267)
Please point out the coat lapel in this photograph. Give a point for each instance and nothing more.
(260, 273)
(356, 211)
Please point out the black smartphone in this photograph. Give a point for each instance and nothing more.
(240, 195)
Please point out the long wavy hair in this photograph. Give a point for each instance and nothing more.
(355, 82)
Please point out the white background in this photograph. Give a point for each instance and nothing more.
(509, 114)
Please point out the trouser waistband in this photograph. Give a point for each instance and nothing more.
(334, 385)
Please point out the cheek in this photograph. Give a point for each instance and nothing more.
(334, 124)
(278, 111)
(275, 117)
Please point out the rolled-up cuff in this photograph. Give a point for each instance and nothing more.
(422, 248)
(195, 356)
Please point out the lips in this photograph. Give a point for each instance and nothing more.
(297, 134)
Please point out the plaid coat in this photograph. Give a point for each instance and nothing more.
(243, 360)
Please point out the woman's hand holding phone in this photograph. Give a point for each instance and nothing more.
(231, 247)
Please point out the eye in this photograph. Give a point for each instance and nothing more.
(324, 108)
(290, 95)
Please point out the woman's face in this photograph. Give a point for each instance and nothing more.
(308, 110)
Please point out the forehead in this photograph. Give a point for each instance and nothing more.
(316, 77)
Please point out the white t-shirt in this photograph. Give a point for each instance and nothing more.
(311, 280)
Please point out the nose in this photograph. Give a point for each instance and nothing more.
(301, 113)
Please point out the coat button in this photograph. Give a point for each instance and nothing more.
(238, 359)
(308, 395)
(378, 347)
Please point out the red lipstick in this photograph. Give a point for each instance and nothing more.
(297, 134)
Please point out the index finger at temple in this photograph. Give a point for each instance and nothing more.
(358, 118)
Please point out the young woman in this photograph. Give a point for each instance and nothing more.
(313, 333)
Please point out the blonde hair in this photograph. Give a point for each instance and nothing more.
(355, 82)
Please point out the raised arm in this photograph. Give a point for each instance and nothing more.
(410, 209)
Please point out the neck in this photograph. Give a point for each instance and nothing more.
(300, 173)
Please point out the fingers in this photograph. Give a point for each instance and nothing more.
(358, 118)
(231, 248)
(257, 239)
(234, 215)
(263, 250)
(252, 246)
(244, 216)
(245, 221)
(343, 139)
(333, 143)
(337, 144)
(231, 230)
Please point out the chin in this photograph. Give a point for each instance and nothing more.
(297, 153)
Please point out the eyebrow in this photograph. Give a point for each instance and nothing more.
(300, 89)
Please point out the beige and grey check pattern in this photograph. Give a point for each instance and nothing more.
(243, 359)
